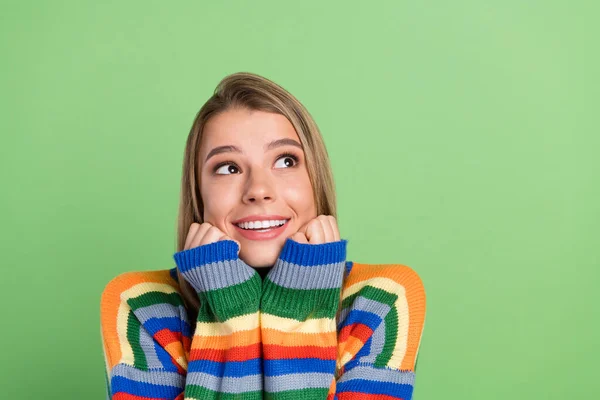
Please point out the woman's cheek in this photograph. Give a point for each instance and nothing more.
(217, 208)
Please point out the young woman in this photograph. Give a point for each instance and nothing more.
(262, 302)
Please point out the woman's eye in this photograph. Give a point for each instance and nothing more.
(226, 169)
(288, 161)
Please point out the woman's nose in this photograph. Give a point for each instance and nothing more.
(258, 188)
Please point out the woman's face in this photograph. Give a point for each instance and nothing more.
(253, 169)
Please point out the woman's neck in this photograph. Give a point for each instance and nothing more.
(263, 271)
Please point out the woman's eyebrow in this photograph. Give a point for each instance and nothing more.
(282, 142)
(234, 149)
(223, 149)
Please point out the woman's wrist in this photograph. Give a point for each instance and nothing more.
(221, 279)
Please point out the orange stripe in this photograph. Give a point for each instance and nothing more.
(275, 352)
(352, 345)
(415, 297)
(111, 300)
(236, 353)
(272, 336)
(240, 338)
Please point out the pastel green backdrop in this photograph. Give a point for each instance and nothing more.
(463, 141)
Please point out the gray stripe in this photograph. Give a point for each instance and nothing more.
(280, 383)
(363, 304)
(219, 274)
(161, 310)
(376, 344)
(147, 344)
(225, 384)
(379, 375)
(343, 314)
(294, 276)
(155, 377)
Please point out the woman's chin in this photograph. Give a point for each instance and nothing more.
(260, 256)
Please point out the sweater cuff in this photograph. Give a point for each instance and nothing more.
(305, 281)
(307, 254)
(216, 268)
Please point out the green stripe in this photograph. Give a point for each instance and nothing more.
(391, 334)
(231, 301)
(133, 337)
(304, 394)
(199, 392)
(299, 304)
(154, 297)
(372, 293)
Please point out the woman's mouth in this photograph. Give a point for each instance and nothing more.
(262, 230)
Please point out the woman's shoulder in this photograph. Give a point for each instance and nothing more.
(391, 277)
(372, 293)
(146, 294)
(132, 284)
(139, 308)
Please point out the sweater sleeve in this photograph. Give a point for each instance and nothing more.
(225, 359)
(306, 355)
(382, 321)
(143, 329)
(300, 299)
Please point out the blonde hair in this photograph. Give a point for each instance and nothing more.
(254, 92)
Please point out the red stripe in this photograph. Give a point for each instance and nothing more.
(127, 396)
(187, 343)
(276, 352)
(358, 330)
(166, 336)
(238, 353)
(365, 396)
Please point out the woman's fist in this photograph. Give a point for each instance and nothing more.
(205, 233)
(322, 229)
(198, 235)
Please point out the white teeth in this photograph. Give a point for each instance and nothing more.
(261, 224)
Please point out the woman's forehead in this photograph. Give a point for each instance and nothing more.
(245, 129)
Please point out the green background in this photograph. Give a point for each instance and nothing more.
(463, 138)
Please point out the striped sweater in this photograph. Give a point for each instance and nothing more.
(317, 327)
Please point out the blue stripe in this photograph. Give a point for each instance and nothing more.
(206, 254)
(229, 368)
(363, 317)
(401, 391)
(313, 254)
(366, 349)
(165, 358)
(153, 325)
(186, 329)
(122, 384)
(298, 366)
(349, 265)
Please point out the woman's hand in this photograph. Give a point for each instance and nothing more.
(322, 229)
(205, 233)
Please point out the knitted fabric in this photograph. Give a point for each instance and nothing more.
(272, 339)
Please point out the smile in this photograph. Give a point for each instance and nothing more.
(262, 230)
